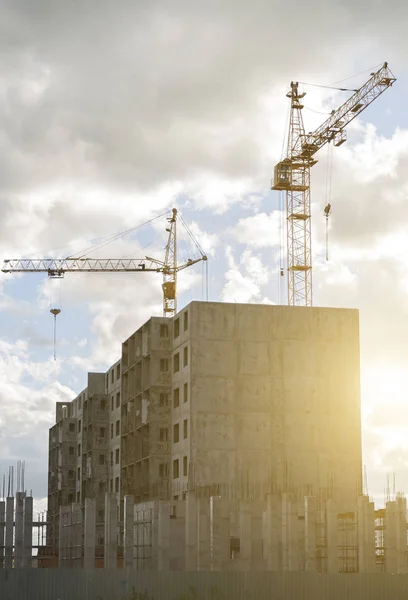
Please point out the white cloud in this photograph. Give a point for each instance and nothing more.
(244, 281)
(261, 230)
(141, 111)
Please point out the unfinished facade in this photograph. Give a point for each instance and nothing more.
(266, 395)
(240, 403)
(146, 411)
(84, 452)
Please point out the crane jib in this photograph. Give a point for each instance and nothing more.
(292, 174)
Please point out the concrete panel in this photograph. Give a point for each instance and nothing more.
(254, 358)
(276, 359)
(252, 322)
(253, 431)
(191, 532)
(254, 394)
(128, 540)
(214, 466)
(89, 533)
(221, 399)
(111, 531)
(210, 317)
(215, 358)
(212, 430)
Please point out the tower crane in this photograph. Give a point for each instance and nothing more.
(169, 268)
(292, 174)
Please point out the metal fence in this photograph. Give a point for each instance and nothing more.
(104, 584)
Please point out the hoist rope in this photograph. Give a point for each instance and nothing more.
(117, 236)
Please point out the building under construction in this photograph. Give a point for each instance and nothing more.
(248, 412)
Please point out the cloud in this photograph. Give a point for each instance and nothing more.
(144, 109)
(261, 230)
(244, 280)
(28, 395)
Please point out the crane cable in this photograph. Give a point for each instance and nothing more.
(327, 209)
(53, 308)
(332, 86)
(117, 236)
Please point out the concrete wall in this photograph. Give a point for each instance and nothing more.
(101, 584)
(274, 393)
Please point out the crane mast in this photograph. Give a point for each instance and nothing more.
(56, 267)
(292, 175)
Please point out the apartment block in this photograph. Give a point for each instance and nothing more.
(247, 397)
(80, 450)
(146, 411)
(266, 394)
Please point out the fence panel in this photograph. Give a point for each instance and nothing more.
(112, 584)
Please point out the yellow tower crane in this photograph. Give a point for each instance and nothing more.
(169, 268)
(292, 175)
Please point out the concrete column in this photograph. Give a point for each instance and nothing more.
(245, 540)
(366, 535)
(310, 533)
(290, 534)
(111, 531)
(61, 538)
(203, 534)
(219, 533)
(191, 532)
(128, 541)
(76, 536)
(272, 532)
(2, 532)
(390, 538)
(401, 506)
(332, 537)
(89, 533)
(28, 533)
(9, 533)
(19, 530)
(163, 536)
(257, 560)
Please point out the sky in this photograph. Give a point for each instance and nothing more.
(111, 113)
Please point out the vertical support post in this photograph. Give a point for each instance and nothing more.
(128, 540)
(28, 532)
(89, 533)
(77, 528)
(245, 518)
(191, 532)
(332, 537)
(9, 532)
(310, 533)
(257, 560)
(290, 533)
(401, 505)
(19, 530)
(366, 535)
(61, 538)
(272, 532)
(390, 538)
(2, 532)
(163, 536)
(220, 526)
(111, 531)
(203, 514)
